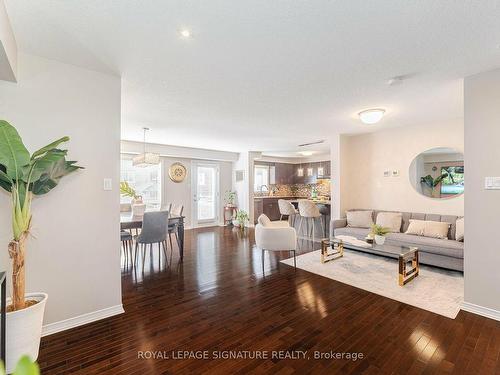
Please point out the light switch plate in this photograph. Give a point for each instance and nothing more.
(107, 184)
(395, 173)
(387, 173)
(492, 183)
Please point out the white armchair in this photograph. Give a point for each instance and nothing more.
(275, 236)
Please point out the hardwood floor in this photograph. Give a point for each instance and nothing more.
(218, 301)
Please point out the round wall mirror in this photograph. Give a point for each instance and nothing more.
(438, 173)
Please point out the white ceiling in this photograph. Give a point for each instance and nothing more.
(268, 75)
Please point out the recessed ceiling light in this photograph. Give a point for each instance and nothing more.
(371, 116)
(306, 153)
(185, 33)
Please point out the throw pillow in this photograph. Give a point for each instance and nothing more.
(359, 219)
(433, 229)
(416, 227)
(459, 233)
(436, 229)
(391, 220)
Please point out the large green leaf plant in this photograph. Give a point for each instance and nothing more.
(24, 176)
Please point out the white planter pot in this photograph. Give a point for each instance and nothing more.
(138, 209)
(379, 240)
(23, 331)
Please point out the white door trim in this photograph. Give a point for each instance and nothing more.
(194, 206)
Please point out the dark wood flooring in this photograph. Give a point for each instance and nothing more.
(217, 301)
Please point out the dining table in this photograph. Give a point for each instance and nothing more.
(129, 222)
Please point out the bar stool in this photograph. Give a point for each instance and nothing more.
(310, 212)
(287, 209)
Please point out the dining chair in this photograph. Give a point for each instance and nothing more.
(127, 240)
(175, 210)
(154, 231)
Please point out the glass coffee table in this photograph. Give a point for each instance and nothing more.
(407, 256)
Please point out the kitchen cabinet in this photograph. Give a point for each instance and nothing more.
(258, 208)
(313, 178)
(271, 208)
(326, 169)
(296, 178)
(284, 173)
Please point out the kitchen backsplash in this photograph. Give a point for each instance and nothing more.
(297, 190)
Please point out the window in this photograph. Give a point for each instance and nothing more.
(453, 183)
(261, 177)
(145, 180)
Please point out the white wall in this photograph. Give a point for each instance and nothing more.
(365, 157)
(74, 254)
(482, 207)
(244, 188)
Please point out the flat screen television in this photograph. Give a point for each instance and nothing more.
(453, 184)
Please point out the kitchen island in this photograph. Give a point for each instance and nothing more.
(268, 205)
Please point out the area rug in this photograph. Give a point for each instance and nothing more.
(437, 290)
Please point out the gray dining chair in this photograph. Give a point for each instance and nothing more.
(175, 210)
(126, 239)
(154, 231)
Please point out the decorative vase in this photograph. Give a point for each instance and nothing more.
(379, 240)
(138, 209)
(24, 329)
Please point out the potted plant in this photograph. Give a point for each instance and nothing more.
(431, 183)
(24, 176)
(24, 367)
(230, 198)
(137, 205)
(379, 232)
(241, 219)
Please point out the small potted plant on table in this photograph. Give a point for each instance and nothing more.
(138, 207)
(379, 232)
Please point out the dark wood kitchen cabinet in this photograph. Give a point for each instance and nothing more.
(297, 179)
(284, 173)
(258, 208)
(271, 208)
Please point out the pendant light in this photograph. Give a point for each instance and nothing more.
(146, 158)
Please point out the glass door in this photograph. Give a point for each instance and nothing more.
(205, 191)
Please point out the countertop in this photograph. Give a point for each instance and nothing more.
(279, 197)
(295, 199)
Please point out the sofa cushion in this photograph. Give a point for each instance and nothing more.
(459, 233)
(428, 228)
(439, 246)
(390, 220)
(359, 233)
(359, 219)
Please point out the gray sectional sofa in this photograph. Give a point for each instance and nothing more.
(445, 253)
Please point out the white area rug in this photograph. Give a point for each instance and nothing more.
(434, 289)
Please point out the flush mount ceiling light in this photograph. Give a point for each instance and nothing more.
(185, 33)
(146, 158)
(371, 116)
(306, 153)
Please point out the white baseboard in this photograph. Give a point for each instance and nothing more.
(480, 310)
(80, 320)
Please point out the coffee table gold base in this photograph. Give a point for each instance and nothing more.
(337, 250)
(407, 275)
